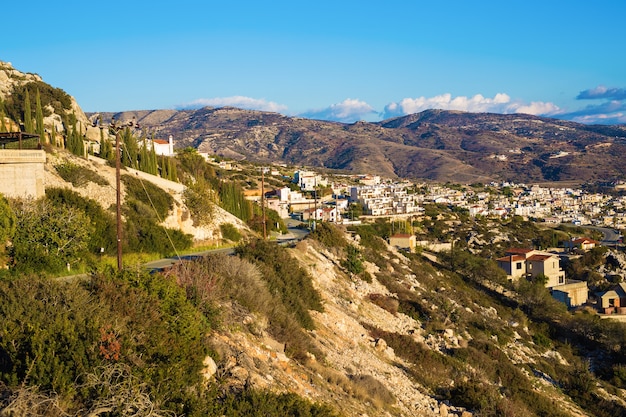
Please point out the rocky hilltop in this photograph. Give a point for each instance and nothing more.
(434, 145)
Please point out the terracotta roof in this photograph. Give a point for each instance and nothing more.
(511, 258)
(160, 141)
(582, 240)
(539, 257)
(402, 235)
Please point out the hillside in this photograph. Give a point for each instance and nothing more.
(434, 145)
(178, 217)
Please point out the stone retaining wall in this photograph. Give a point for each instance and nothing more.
(22, 173)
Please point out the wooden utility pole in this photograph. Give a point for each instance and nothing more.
(118, 196)
(263, 202)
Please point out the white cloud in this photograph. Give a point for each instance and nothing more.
(537, 108)
(500, 103)
(608, 118)
(348, 111)
(241, 102)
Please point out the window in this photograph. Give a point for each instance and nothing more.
(561, 280)
(518, 265)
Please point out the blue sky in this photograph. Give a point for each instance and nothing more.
(332, 60)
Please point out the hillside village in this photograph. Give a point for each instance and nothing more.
(405, 298)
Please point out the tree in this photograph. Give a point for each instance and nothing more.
(28, 114)
(106, 148)
(200, 199)
(48, 237)
(39, 117)
(353, 262)
(194, 166)
(131, 148)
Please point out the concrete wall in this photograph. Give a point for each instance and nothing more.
(22, 173)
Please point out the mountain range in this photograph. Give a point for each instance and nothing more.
(432, 145)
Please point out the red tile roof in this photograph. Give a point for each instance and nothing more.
(511, 258)
(539, 257)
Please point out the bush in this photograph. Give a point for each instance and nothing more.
(230, 232)
(390, 304)
(104, 234)
(353, 262)
(329, 235)
(200, 200)
(78, 175)
(254, 403)
(293, 290)
(149, 194)
(48, 237)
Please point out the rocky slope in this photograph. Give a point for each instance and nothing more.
(350, 353)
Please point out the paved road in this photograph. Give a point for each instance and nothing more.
(611, 237)
(167, 262)
(293, 235)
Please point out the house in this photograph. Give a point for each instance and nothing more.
(403, 241)
(163, 147)
(613, 300)
(328, 214)
(513, 265)
(582, 243)
(530, 263)
(546, 265)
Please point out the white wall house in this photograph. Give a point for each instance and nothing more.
(163, 147)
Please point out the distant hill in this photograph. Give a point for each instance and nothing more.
(432, 145)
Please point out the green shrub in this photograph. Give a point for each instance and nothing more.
(104, 234)
(160, 201)
(48, 237)
(293, 288)
(49, 336)
(230, 232)
(143, 234)
(329, 235)
(78, 175)
(353, 262)
(253, 403)
(200, 200)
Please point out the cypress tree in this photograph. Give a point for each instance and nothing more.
(130, 148)
(3, 126)
(53, 135)
(143, 156)
(28, 115)
(154, 168)
(39, 118)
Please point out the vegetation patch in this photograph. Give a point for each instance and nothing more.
(78, 175)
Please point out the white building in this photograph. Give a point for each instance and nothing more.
(163, 147)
